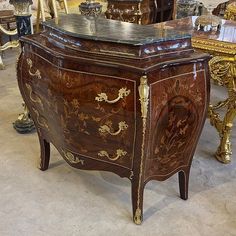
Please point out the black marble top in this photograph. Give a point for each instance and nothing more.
(111, 30)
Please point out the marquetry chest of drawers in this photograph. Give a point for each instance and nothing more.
(117, 97)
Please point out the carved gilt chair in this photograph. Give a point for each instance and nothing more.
(7, 19)
(52, 6)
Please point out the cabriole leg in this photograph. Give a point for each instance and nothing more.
(45, 154)
(224, 151)
(183, 183)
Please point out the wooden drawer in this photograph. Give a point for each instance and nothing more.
(97, 116)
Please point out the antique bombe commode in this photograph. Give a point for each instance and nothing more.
(116, 96)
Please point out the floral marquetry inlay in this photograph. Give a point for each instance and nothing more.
(180, 104)
(35, 73)
(171, 136)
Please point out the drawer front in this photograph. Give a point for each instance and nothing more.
(88, 114)
(98, 117)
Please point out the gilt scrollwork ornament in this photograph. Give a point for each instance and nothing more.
(33, 98)
(139, 14)
(73, 159)
(144, 97)
(123, 92)
(223, 71)
(219, 68)
(214, 47)
(11, 44)
(8, 32)
(119, 154)
(37, 73)
(230, 13)
(41, 120)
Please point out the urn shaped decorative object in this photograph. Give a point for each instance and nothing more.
(208, 21)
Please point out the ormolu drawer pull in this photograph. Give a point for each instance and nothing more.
(119, 153)
(106, 129)
(123, 92)
(37, 72)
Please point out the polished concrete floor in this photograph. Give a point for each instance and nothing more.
(63, 201)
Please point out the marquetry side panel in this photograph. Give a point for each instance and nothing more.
(177, 108)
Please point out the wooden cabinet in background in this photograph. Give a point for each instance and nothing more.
(140, 11)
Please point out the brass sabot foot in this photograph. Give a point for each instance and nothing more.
(138, 217)
(223, 157)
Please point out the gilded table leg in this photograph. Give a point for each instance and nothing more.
(223, 71)
(224, 151)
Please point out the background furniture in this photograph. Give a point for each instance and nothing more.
(230, 13)
(222, 46)
(221, 8)
(24, 123)
(7, 30)
(90, 8)
(140, 11)
(187, 8)
(52, 6)
(133, 105)
(223, 71)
